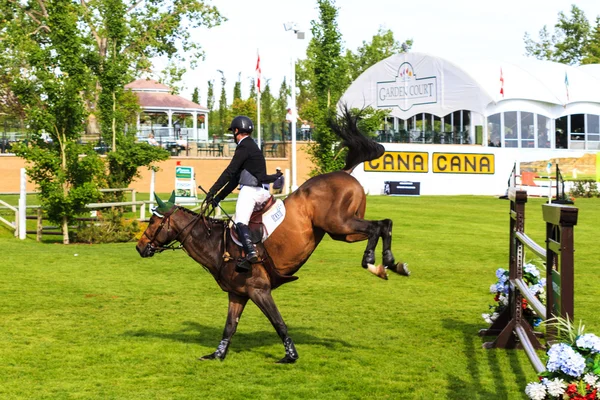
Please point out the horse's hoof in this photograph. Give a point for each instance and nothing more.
(212, 356)
(401, 269)
(378, 271)
(287, 360)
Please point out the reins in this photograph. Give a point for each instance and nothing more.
(167, 220)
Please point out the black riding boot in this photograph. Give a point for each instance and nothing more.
(244, 235)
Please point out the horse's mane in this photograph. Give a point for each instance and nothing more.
(213, 221)
(360, 147)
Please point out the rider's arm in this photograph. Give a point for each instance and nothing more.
(231, 173)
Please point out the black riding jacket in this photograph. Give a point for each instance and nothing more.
(247, 157)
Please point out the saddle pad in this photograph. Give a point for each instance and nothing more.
(271, 219)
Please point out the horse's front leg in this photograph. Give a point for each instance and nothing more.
(264, 300)
(236, 307)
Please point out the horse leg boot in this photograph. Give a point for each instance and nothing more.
(263, 299)
(244, 234)
(236, 307)
(388, 258)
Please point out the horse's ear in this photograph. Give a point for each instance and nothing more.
(172, 198)
(161, 205)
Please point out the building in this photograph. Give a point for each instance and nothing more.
(168, 116)
(507, 111)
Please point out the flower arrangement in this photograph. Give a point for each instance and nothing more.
(572, 369)
(536, 284)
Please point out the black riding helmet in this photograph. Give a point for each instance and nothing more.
(242, 123)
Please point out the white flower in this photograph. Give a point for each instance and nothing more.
(591, 379)
(535, 391)
(486, 318)
(503, 300)
(556, 387)
(494, 316)
(589, 341)
(493, 288)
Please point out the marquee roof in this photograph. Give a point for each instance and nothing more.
(429, 84)
(153, 95)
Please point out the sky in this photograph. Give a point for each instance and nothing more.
(458, 29)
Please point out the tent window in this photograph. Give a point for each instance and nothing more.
(543, 131)
(511, 132)
(577, 133)
(527, 130)
(494, 130)
(561, 132)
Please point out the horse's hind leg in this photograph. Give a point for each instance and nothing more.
(236, 307)
(388, 257)
(264, 301)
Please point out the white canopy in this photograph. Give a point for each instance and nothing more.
(413, 83)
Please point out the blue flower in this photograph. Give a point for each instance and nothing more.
(562, 357)
(532, 269)
(500, 273)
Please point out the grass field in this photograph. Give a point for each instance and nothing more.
(99, 322)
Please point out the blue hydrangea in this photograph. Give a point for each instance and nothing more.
(589, 341)
(562, 357)
(500, 273)
(532, 269)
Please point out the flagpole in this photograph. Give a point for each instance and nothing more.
(258, 98)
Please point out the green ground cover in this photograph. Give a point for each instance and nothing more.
(99, 322)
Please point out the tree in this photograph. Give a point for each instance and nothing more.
(223, 114)
(382, 46)
(266, 107)
(213, 124)
(280, 106)
(237, 88)
(196, 96)
(330, 79)
(253, 94)
(569, 44)
(593, 49)
(50, 86)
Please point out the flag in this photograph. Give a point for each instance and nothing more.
(567, 84)
(501, 83)
(258, 73)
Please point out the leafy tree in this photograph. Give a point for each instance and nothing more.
(253, 94)
(223, 114)
(330, 79)
(237, 88)
(570, 42)
(266, 108)
(382, 46)
(280, 106)
(593, 49)
(55, 74)
(244, 107)
(196, 96)
(213, 123)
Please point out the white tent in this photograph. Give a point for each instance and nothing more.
(417, 84)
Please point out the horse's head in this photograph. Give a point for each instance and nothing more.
(159, 232)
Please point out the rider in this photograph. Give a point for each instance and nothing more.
(247, 168)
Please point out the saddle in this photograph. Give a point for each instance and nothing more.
(256, 223)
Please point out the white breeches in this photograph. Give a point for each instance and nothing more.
(249, 196)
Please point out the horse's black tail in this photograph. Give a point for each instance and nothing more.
(360, 147)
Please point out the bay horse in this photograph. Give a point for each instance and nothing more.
(332, 203)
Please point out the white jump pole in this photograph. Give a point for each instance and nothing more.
(152, 177)
(286, 182)
(23, 206)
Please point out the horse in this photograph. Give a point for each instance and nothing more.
(333, 203)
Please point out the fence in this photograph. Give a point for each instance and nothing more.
(512, 330)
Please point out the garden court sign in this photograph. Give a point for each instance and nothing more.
(407, 90)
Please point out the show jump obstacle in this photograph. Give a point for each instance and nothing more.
(511, 328)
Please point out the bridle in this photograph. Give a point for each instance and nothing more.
(154, 247)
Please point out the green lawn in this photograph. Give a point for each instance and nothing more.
(99, 322)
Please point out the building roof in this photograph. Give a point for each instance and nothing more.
(154, 95)
(147, 85)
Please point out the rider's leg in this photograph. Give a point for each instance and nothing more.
(248, 198)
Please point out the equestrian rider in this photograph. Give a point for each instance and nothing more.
(247, 168)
